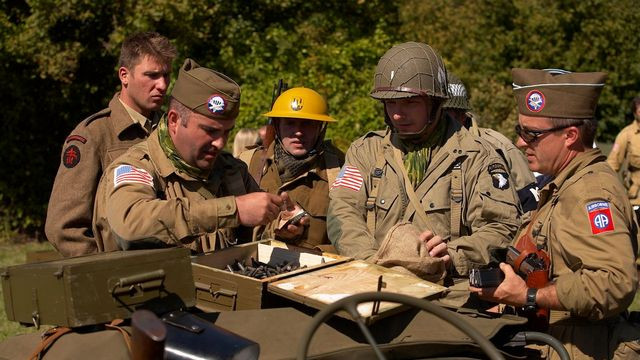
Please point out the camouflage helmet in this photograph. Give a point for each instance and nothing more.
(410, 69)
(459, 99)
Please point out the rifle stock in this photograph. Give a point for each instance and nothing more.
(270, 135)
(148, 336)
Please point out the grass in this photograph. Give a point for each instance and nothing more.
(14, 253)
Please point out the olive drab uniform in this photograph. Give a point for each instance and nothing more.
(166, 206)
(86, 153)
(465, 195)
(521, 177)
(587, 226)
(627, 147)
(310, 190)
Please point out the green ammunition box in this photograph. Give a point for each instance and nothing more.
(95, 289)
(218, 289)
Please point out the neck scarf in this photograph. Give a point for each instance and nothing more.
(418, 156)
(166, 143)
(290, 167)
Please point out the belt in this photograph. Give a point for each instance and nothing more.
(565, 317)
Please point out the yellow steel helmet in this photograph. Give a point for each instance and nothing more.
(300, 103)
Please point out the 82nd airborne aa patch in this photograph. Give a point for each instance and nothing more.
(600, 216)
(71, 156)
(499, 176)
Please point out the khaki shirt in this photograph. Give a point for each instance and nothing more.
(592, 248)
(489, 213)
(521, 175)
(627, 147)
(86, 153)
(175, 209)
(310, 190)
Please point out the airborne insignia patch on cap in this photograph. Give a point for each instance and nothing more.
(216, 104)
(499, 176)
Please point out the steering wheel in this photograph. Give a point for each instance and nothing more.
(350, 304)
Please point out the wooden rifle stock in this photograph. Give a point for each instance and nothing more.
(148, 336)
(270, 135)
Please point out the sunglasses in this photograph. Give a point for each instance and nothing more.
(530, 136)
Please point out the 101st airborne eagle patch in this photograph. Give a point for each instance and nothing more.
(600, 216)
(499, 176)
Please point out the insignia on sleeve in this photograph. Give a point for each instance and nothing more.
(499, 176)
(600, 216)
(349, 177)
(76, 138)
(131, 174)
(71, 156)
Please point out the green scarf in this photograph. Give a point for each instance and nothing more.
(170, 150)
(418, 156)
(290, 167)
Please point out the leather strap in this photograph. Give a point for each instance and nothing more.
(115, 325)
(457, 199)
(48, 338)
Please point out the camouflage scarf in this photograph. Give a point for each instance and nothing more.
(418, 156)
(290, 167)
(170, 150)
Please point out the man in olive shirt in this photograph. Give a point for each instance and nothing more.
(179, 188)
(145, 65)
(584, 221)
(451, 186)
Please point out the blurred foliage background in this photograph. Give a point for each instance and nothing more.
(58, 63)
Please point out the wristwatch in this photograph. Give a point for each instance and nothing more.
(530, 305)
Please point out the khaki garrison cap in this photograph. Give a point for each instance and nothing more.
(557, 93)
(206, 91)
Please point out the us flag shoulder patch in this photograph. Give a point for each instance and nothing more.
(131, 174)
(349, 177)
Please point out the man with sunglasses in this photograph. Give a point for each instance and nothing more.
(584, 222)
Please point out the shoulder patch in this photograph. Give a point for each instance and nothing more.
(100, 114)
(499, 176)
(349, 177)
(71, 156)
(130, 174)
(76, 138)
(600, 218)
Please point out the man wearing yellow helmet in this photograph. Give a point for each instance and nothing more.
(299, 162)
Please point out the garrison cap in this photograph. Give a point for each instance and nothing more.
(206, 91)
(557, 93)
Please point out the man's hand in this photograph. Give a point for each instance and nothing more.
(436, 246)
(512, 291)
(258, 208)
(294, 229)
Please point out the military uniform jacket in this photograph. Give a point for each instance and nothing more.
(310, 190)
(586, 222)
(521, 176)
(627, 146)
(86, 153)
(488, 211)
(169, 207)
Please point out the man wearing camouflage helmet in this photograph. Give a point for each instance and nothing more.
(299, 162)
(178, 188)
(458, 107)
(450, 185)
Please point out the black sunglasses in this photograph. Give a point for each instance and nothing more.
(529, 136)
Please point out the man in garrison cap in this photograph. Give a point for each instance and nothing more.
(584, 222)
(178, 188)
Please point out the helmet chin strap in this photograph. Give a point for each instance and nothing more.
(420, 135)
